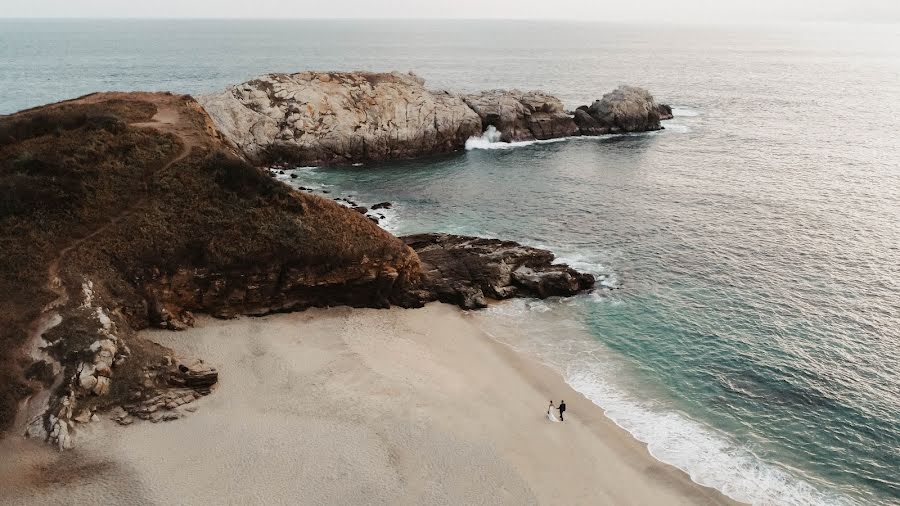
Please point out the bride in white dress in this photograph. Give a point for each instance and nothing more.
(550, 414)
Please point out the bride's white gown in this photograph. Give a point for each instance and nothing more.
(551, 414)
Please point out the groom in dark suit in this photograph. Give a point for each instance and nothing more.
(562, 409)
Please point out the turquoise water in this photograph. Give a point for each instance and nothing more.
(747, 328)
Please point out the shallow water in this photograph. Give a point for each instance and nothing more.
(752, 334)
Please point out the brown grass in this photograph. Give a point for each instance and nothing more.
(79, 174)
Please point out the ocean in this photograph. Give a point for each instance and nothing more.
(747, 323)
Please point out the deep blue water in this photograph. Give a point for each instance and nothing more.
(752, 335)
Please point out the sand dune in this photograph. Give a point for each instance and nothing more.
(349, 406)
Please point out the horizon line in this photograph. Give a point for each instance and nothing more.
(741, 22)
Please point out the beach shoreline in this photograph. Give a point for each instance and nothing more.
(352, 406)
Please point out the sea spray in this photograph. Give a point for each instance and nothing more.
(491, 139)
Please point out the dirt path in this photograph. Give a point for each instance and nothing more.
(168, 119)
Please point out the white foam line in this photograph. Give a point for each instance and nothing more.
(491, 140)
(705, 454)
(710, 457)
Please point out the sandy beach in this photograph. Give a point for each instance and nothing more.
(355, 406)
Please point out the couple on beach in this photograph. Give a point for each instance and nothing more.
(562, 409)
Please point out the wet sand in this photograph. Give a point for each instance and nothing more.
(355, 406)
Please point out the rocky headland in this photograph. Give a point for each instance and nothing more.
(123, 211)
(319, 118)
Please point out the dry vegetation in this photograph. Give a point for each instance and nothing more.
(126, 207)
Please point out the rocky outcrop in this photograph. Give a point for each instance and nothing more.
(317, 118)
(340, 117)
(522, 116)
(623, 110)
(466, 271)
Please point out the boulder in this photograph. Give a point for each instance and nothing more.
(627, 109)
(194, 374)
(521, 116)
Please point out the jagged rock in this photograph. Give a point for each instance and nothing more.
(381, 205)
(360, 209)
(546, 283)
(87, 381)
(340, 117)
(468, 270)
(627, 109)
(521, 115)
(587, 124)
(83, 417)
(665, 112)
(102, 386)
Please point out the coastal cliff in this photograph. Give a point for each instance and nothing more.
(122, 211)
(322, 118)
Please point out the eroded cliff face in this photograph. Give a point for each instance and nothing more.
(340, 117)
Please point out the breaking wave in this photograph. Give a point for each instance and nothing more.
(490, 139)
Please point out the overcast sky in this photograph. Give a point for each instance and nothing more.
(700, 11)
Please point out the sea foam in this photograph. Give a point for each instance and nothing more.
(707, 455)
(490, 139)
(547, 331)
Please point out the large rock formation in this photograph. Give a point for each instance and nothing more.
(317, 118)
(468, 270)
(625, 109)
(340, 117)
(522, 116)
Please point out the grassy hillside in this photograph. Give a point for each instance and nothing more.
(136, 194)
